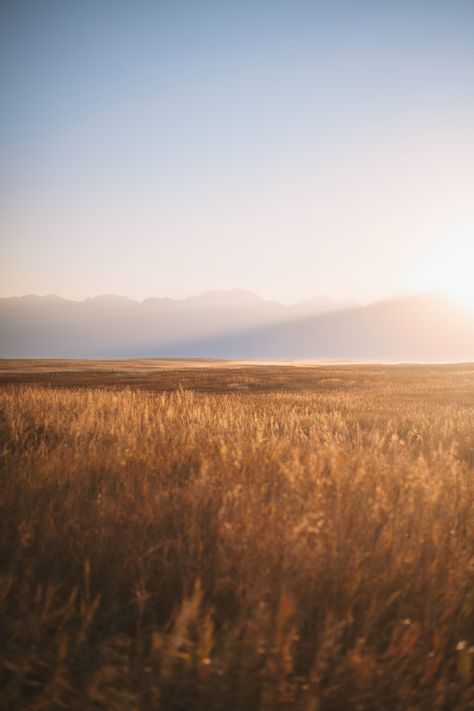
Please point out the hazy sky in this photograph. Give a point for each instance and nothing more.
(290, 148)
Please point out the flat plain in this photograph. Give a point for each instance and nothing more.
(193, 535)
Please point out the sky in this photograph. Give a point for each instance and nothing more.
(290, 148)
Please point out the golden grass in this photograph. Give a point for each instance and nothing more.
(306, 545)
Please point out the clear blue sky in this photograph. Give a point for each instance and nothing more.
(290, 148)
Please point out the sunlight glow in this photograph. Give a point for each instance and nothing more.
(450, 269)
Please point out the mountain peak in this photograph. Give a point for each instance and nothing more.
(225, 297)
(109, 299)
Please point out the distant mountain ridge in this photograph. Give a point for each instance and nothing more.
(216, 297)
(236, 324)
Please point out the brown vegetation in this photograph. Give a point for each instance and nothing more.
(266, 538)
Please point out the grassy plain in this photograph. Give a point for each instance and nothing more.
(236, 536)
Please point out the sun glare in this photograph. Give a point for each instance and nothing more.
(450, 269)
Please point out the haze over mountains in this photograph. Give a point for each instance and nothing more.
(236, 324)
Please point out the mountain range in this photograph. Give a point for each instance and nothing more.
(236, 324)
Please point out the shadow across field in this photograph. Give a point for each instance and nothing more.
(201, 375)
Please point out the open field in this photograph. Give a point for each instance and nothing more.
(236, 536)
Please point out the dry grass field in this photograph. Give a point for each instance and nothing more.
(236, 537)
